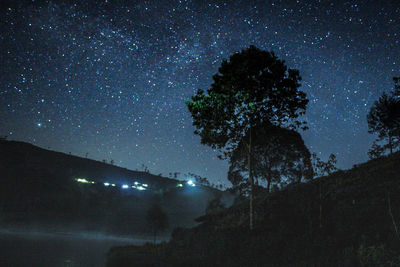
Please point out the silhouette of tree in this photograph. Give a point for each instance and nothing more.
(200, 180)
(322, 168)
(376, 151)
(157, 219)
(252, 88)
(278, 153)
(215, 205)
(384, 119)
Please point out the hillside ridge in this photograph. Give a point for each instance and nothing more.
(350, 218)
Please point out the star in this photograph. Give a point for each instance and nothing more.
(124, 72)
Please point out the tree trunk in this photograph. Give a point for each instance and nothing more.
(251, 181)
(320, 203)
(390, 144)
(268, 184)
(392, 217)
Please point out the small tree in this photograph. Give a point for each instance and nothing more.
(384, 119)
(322, 168)
(157, 219)
(215, 205)
(252, 88)
(376, 151)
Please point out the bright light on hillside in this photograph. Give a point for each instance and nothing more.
(106, 184)
(190, 182)
(141, 188)
(125, 186)
(81, 180)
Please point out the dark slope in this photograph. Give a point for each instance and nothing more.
(347, 219)
(39, 189)
(17, 154)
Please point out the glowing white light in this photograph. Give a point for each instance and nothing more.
(141, 188)
(81, 180)
(190, 182)
(106, 184)
(112, 184)
(136, 183)
(180, 185)
(145, 185)
(125, 186)
(133, 186)
(92, 182)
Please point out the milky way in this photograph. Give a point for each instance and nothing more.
(111, 80)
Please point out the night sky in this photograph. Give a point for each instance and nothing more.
(111, 79)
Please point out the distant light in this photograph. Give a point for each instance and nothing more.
(136, 183)
(179, 185)
(133, 186)
(81, 180)
(141, 188)
(190, 182)
(112, 184)
(145, 185)
(39, 124)
(92, 182)
(125, 186)
(106, 184)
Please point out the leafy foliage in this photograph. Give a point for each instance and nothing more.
(322, 168)
(278, 155)
(252, 88)
(384, 120)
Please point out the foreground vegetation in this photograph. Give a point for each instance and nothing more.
(350, 218)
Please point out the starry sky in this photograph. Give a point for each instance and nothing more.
(110, 78)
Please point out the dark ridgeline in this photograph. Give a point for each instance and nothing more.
(39, 191)
(359, 226)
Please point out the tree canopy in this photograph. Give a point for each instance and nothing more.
(252, 88)
(322, 168)
(384, 120)
(279, 156)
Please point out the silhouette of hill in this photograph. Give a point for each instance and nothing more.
(350, 218)
(40, 189)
